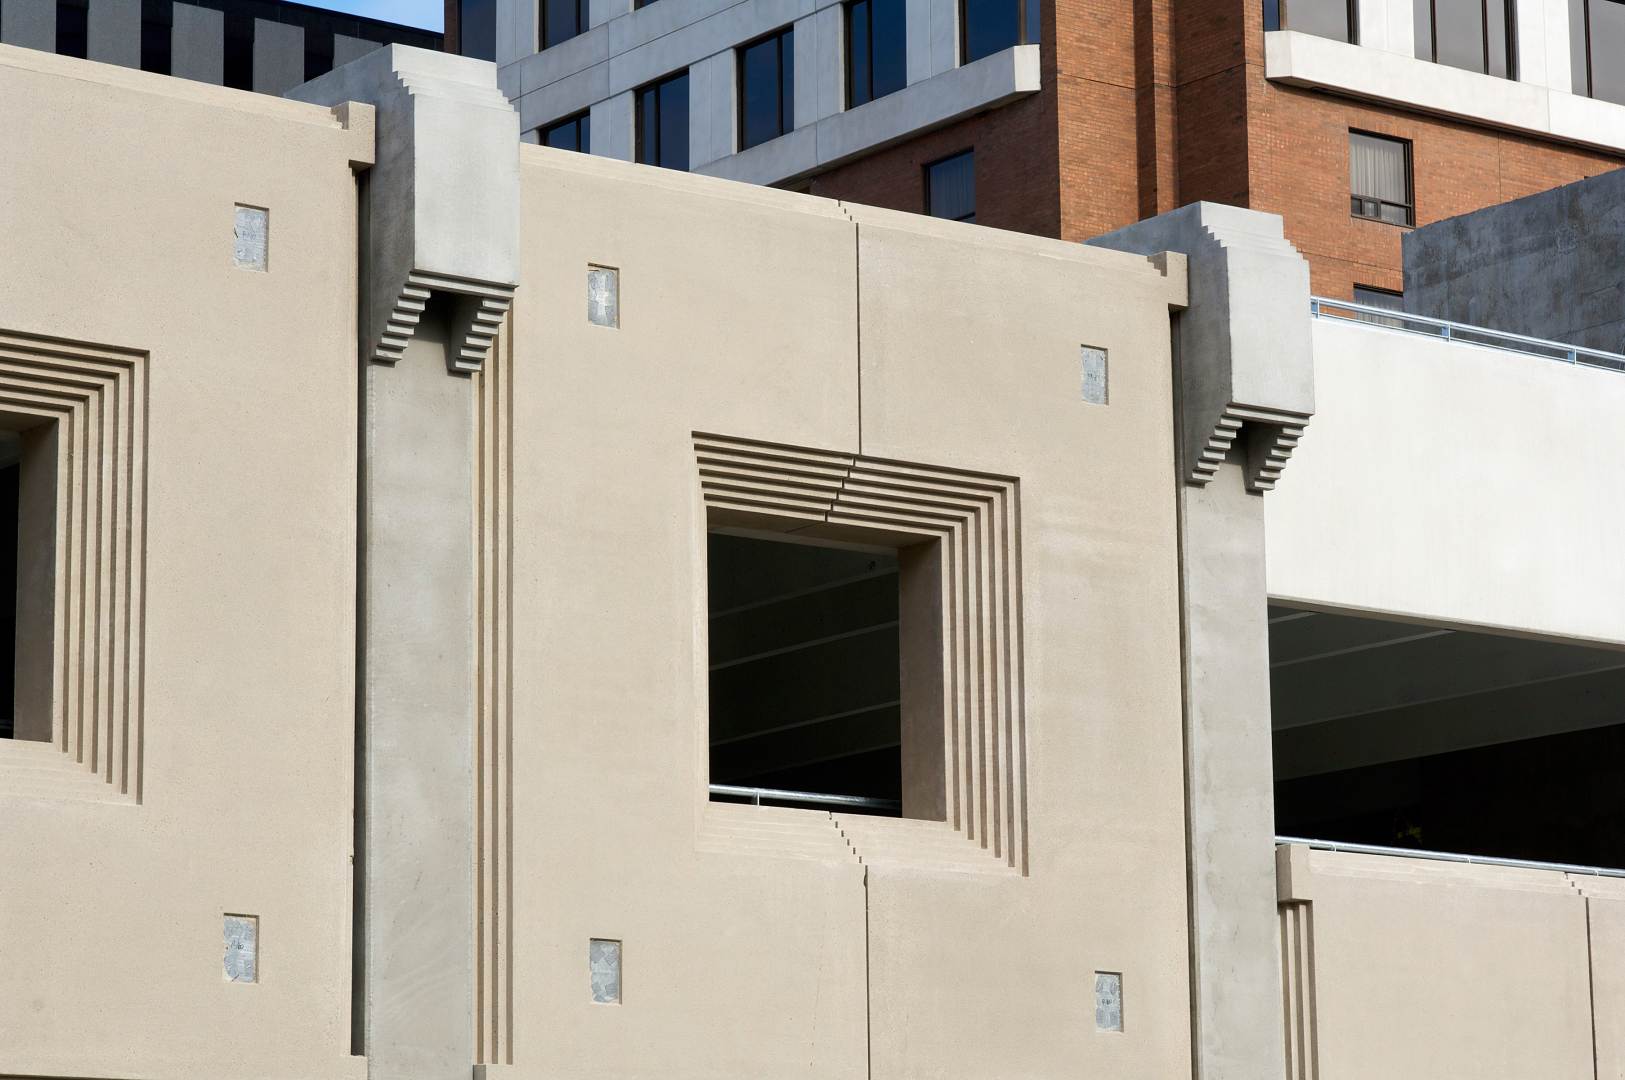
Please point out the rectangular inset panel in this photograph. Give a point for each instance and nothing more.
(1108, 1001)
(242, 933)
(603, 296)
(251, 237)
(604, 966)
(1094, 375)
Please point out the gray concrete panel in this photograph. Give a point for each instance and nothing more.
(721, 32)
(279, 57)
(346, 48)
(944, 42)
(829, 60)
(113, 30)
(564, 98)
(516, 30)
(29, 23)
(795, 154)
(600, 12)
(917, 30)
(711, 109)
(197, 44)
(612, 127)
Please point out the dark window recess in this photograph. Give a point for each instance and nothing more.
(876, 49)
(477, 28)
(239, 57)
(72, 28)
(561, 21)
(1335, 19)
(1475, 35)
(318, 53)
(640, 4)
(662, 122)
(157, 20)
(1380, 179)
(950, 187)
(805, 687)
(767, 82)
(9, 475)
(1598, 48)
(990, 26)
(572, 134)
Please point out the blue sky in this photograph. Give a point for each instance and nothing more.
(428, 14)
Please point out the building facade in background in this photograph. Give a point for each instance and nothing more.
(1353, 121)
(268, 46)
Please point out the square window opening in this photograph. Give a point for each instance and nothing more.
(28, 522)
(1380, 179)
(826, 667)
(950, 187)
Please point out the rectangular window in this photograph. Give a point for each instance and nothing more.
(639, 4)
(156, 32)
(477, 28)
(662, 122)
(876, 48)
(1387, 299)
(238, 61)
(28, 497)
(1475, 35)
(1598, 48)
(1380, 179)
(767, 88)
(573, 133)
(1335, 19)
(990, 26)
(950, 187)
(72, 28)
(562, 20)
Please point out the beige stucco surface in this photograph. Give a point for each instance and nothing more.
(116, 213)
(1424, 969)
(750, 947)
(1454, 483)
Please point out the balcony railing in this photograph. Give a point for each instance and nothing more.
(1322, 307)
(1449, 856)
(759, 796)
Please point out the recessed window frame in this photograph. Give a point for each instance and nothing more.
(1027, 28)
(653, 96)
(1504, 58)
(1278, 15)
(1369, 207)
(33, 596)
(930, 195)
(783, 42)
(1585, 48)
(545, 36)
(580, 125)
(858, 18)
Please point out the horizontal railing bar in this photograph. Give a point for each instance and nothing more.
(813, 797)
(1480, 335)
(1449, 856)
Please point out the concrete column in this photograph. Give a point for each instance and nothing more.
(279, 57)
(346, 48)
(516, 30)
(1244, 384)
(600, 12)
(944, 41)
(612, 125)
(1556, 60)
(712, 107)
(113, 30)
(29, 23)
(197, 44)
(417, 720)
(917, 49)
(820, 65)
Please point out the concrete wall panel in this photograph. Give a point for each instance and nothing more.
(114, 31)
(197, 43)
(279, 56)
(29, 23)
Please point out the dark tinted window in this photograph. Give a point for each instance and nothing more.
(239, 59)
(1599, 48)
(1380, 178)
(155, 35)
(767, 81)
(876, 46)
(1333, 19)
(572, 134)
(950, 187)
(662, 122)
(477, 28)
(561, 20)
(988, 26)
(641, 4)
(72, 28)
(1470, 34)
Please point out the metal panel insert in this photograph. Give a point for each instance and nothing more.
(242, 933)
(604, 966)
(1094, 375)
(603, 296)
(1108, 1001)
(251, 237)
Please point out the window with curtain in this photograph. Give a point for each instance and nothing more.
(572, 133)
(562, 20)
(767, 88)
(876, 46)
(1335, 19)
(990, 26)
(1598, 48)
(662, 123)
(1380, 179)
(950, 187)
(1475, 35)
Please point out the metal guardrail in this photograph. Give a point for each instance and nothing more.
(1322, 307)
(1449, 856)
(758, 795)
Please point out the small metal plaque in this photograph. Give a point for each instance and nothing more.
(603, 296)
(242, 948)
(1094, 375)
(251, 237)
(1108, 1001)
(604, 965)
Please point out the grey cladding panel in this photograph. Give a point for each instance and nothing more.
(114, 28)
(279, 57)
(29, 23)
(197, 44)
